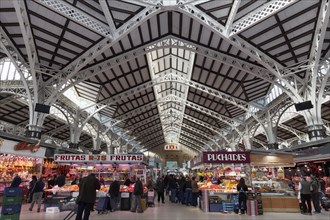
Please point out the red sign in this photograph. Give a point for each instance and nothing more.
(226, 157)
(27, 146)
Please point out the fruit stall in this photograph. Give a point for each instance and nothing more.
(107, 168)
(220, 172)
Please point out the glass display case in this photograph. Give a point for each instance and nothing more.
(271, 181)
(277, 192)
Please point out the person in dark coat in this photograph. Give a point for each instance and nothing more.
(182, 184)
(127, 181)
(160, 187)
(242, 189)
(305, 195)
(16, 181)
(37, 192)
(51, 181)
(315, 185)
(172, 187)
(114, 195)
(138, 192)
(87, 195)
(60, 181)
(31, 186)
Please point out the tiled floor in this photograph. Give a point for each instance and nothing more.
(172, 212)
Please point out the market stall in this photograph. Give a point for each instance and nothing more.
(19, 158)
(220, 172)
(268, 179)
(107, 168)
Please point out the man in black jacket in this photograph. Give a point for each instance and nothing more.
(37, 192)
(114, 195)
(315, 185)
(16, 181)
(87, 195)
(138, 192)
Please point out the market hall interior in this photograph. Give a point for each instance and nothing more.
(224, 92)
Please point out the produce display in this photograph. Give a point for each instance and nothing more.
(75, 188)
(130, 188)
(208, 186)
(12, 163)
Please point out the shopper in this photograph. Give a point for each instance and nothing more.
(60, 181)
(160, 187)
(150, 184)
(127, 181)
(315, 186)
(31, 188)
(194, 189)
(138, 192)
(74, 181)
(87, 195)
(188, 191)
(37, 192)
(16, 181)
(172, 188)
(182, 183)
(51, 181)
(291, 184)
(305, 196)
(242, 189)
(114, 195)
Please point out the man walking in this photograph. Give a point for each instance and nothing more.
(114, 195)
(87, 195)
(138, 192)
(37, 192)
(315, 185)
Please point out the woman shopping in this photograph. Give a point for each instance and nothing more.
(242, 189)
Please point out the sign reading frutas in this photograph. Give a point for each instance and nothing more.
(226, 157)
(123, 158)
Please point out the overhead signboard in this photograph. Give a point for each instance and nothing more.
(272, 160)
(171, 147)
(122, 158)
(226, 157)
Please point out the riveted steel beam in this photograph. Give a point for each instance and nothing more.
(78, 16)
(260, 14)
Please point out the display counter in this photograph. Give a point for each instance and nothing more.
(279, 203)
(217, 201)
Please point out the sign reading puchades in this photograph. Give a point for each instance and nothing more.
(94, 158)
(226, 157)
(171, 147)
